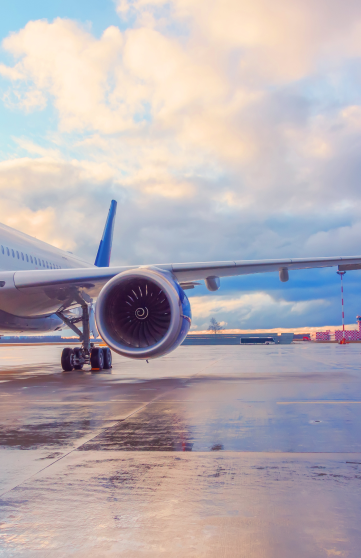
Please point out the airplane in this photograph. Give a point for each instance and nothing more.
(141, 311)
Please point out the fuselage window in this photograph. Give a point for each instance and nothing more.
(17, 254)
(31, 259)
(8, 251)
(13, 253)
(2, 249)
(27, 259)
(43, 264)
(35, 260)
(22, 256)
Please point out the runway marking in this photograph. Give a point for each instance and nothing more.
(101, 430)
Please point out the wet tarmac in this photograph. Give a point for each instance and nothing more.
(210, 452)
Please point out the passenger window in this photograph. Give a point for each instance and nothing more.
(2, 249)
(31, 259)
(13, 253)
(22, 256)
(27, 259)
(17, 254)
(35, 260)
(43, 264)
(8, 251)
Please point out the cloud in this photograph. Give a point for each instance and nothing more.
(54, 200)
(245, 310)
(281, 41)
(226, 129)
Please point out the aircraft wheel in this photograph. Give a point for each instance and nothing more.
(78, 353)
(97, 359)
(67, 359)
(107, 358)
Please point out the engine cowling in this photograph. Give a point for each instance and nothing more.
(143, 313)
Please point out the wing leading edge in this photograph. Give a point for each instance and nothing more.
(182, 271)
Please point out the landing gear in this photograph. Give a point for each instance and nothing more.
(74, 359)
(97, 359)
(67, 359)
(79, 359)
(107, 358)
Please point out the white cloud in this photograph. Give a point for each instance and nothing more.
(246, 309)
(228, 129)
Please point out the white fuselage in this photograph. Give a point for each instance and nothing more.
(19, 252)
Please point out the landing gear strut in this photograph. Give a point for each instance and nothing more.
(74, 359)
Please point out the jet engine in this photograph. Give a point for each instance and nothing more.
(143, 313)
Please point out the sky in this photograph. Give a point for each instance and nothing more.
(225, 129)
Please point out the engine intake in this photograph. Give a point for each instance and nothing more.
(143, 313)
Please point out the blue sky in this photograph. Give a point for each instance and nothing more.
(225, 130)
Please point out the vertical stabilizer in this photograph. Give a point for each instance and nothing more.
(105, 246)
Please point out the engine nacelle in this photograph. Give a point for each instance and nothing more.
(143, 313)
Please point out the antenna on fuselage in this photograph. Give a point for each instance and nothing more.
(105, 246)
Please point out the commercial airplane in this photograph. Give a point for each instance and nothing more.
(141, 312)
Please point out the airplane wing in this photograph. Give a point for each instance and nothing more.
(43, 291)
(197, 271)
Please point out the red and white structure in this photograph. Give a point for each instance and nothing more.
(323, 335)
(342, 336)
(343, 340)
(351, 335)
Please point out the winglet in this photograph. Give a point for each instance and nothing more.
(105, 246)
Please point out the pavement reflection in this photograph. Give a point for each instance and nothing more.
(212, 451)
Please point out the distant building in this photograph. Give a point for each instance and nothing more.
(237, 338)
(337, 335)
(323, 335)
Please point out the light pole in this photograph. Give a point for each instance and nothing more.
(343, 340)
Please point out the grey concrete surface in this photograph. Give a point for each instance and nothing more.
(209, 452)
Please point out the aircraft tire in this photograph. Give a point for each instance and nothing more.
(107, 358)
(67, 359)
(97, 359)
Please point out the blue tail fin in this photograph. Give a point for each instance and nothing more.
(105, 246)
